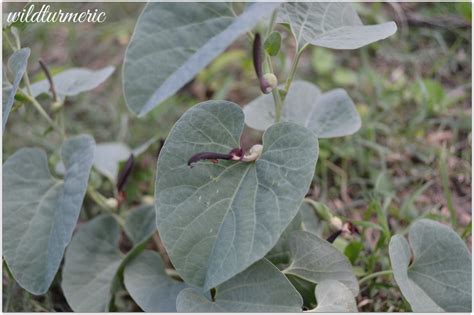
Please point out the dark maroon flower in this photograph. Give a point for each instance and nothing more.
(265, 86)
(234, 155)
(125, 173)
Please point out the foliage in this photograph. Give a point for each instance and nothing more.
(233, 225)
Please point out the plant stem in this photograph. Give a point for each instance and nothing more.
(49, 78)
(321, 210)
(277, 101)
(43, 113)
(444, 174)
(11, 286)
(13, 47)
(292, 73)
(101, 201)
(375, 274)
(99, 198)
(275, 93)
(272, 22)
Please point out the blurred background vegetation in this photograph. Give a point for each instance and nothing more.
(410, 159)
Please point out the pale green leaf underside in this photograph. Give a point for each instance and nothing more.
(260, 288)
(140, 223)
(149, 285)
(330, 114)
(17, 64)
(439, 278)
(331, 24)
(172, 42)
(91, 263)
(73, 81)
(108, 157)
(40, 212)
(334, 297)
(217, 219)
(315, 260)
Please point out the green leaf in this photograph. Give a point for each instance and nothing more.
(40, 211)
(272, 43)
(328, 115)
(172, 42)
(331, 24)
(280, 253)
(315, 260)
(217, 219)
(305, 289)
(352, 250)
(260, 288)
(17, 64)
(140, 223)
(334, 297)
(305, 220)
(309, 220)
(439, 277)
(149, 285)
(104, 274)
(91, 264)
(139, 227)
(108, 157)
(73, 81)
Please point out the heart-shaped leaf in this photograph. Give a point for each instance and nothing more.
(97, 244)
(172, 42)
(73, 81)
(331, 24)
(149, 285)
(40, 211)
(315, 260)
(334, 297)
(438, 279)
(17, 64)
(140, 223)
(91, 264)
(328, 115)
(217, 219)
(260, 288)
(305, 220)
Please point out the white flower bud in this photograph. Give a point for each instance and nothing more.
(56, 106)
(254, 153)
(272, 81)
(111, 202)
(148, 200)
(336, 223)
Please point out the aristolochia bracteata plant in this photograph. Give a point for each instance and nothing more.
(234, 223)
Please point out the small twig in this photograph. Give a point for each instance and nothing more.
(375, 274)
(50, 79)
(43, 113)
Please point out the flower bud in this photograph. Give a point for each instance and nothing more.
(148, 200)
(254, 153)
(111, 202)
(271, 80)
(56, 106)
(336, 223)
